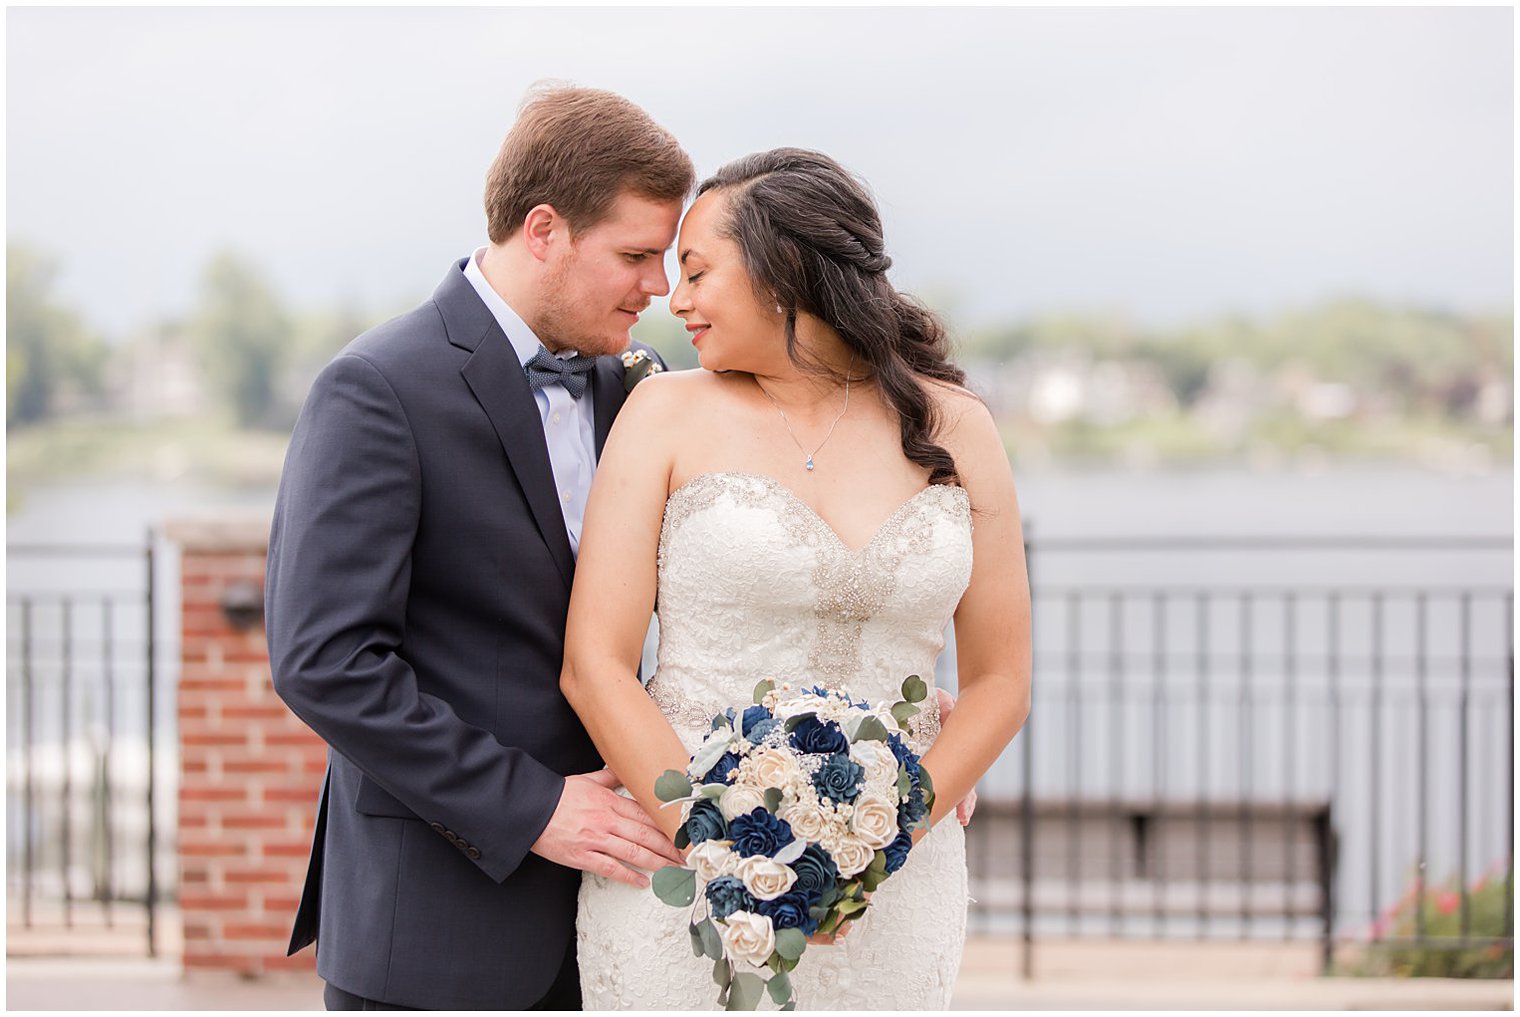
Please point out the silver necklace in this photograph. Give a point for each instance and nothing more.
(826, 437)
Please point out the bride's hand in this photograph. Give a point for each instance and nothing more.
(830, 938)
(967, 805)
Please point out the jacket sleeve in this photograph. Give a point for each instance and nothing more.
(339, 570)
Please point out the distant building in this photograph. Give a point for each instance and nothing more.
(157, 376)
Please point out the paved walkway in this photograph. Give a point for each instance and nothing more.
(1074, 976)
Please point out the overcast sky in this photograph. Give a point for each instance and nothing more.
(1167, 164)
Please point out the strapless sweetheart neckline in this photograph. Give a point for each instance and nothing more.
(787, 492)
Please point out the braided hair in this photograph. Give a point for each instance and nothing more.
(811, 239)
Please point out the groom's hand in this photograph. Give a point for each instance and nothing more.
(596, 830)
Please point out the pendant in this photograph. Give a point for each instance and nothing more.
(810, 464)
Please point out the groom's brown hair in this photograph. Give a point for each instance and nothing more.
(578, 149)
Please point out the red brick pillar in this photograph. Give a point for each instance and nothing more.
(249, 770)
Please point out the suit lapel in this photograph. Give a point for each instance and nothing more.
(501, 387)
(607, 395)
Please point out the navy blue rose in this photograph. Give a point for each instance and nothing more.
(905, 756)
(789, 911)
(839, 778)
(705, 822)
(759, 833)
(821, 737)
(719, 773)
(816, 873)
(897, 851)
(758, 723)
(725, 895)
(757, 734)
(912, 810)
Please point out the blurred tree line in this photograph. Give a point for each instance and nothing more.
(52, 361)
(250, 356)
(1426, 360)
(1332, 376)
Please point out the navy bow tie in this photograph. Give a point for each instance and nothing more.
(544, 368)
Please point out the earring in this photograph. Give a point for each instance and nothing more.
(780, 309)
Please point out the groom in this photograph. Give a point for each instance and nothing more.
(419, 574)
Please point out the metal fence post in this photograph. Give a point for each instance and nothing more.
(1026, 806)
(152, 891)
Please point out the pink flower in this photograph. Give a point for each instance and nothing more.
(1446, 902)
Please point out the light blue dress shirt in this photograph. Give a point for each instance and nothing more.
(567, 421)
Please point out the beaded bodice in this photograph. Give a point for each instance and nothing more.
(754, 584)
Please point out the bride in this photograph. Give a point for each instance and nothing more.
(814, 505)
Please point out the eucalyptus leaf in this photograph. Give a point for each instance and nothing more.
(845, 908)
(713, 791)
(927, 784)
(683, 839)
(870, 729)
(723, 973)
(672, 784)
(675, 886)
(712, 943)
(763, 689)
(904, 782)
(790, 943)
(711, 751)
(680, 801)
(790, 1005)
(903, 711)
(696, 940)
(744, 993)
(772, 799)
(786, 965)
(779, 987)
(914, 690)
(791, 852)
(792, 722)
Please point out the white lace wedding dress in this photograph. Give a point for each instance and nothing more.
(753, 584)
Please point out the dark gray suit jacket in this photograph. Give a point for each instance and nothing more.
(419, 576)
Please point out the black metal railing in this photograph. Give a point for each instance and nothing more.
(82, 773)
(1254, 760)
(1204, 758)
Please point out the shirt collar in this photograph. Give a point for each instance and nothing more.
(524, 342)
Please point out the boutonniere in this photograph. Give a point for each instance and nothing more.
(638, 365)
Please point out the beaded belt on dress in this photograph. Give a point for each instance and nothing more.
(690, 718)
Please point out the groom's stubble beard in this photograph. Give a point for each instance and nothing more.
(557, 327)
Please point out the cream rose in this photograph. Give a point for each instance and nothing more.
(877, 761)
(804, 819)
(874, 821)
(739, 801)
(771, 768)
(711, 859)
(748, 937)
(852, 855)
(765, 878)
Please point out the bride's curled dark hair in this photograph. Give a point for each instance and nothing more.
(812, 241)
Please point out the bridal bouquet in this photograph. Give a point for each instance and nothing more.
(797, 807)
